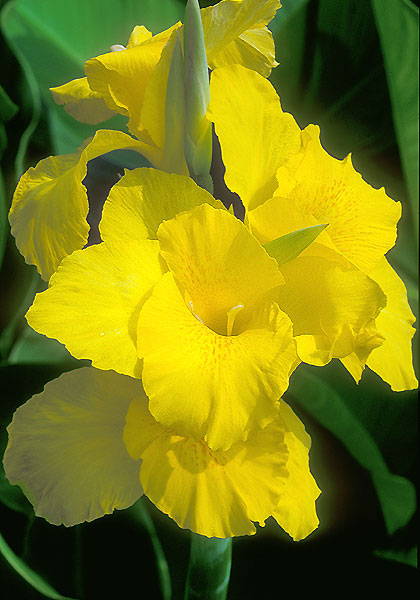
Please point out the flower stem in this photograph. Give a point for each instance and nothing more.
(209, 568)
(142, 514)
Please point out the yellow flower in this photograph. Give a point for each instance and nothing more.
(344, 299)
(132, 82)
(88, 445)
(191, 309)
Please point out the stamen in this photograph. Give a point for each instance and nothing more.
(231, 315)
(192, 310)
(188, 301)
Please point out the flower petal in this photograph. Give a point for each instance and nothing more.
(50, 205)
(280, 216)
(94, 299)
(143, 198)
(207, 385)
(296, 512)
(393, 360)
(362, 220)
(148, 119)
(225, 22)
(218, 262)
(251, 113)
(254, 49)
(66, 448)
(122, 77)
(81, 103)
(332, 307)
(213, 493)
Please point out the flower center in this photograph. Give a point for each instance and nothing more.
(222, 324)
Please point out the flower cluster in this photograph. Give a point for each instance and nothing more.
(193, 320)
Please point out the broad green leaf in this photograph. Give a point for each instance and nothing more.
(34, 348)
(38, 30)
(20, 164)
(396, 494)
(35, 580)
(289, 246)
(209, 568)
(398, 27)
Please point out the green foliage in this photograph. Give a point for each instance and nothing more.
(336, 411)
(50, 33)
(398, 28)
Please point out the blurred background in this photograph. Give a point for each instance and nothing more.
(352, 68)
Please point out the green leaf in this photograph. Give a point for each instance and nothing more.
(34, 348)
(7, 107)
(408, 558)
(38, 31)
(35, 96)
(141, 514)
(209, 568)
(23, 302)
(398, 27)
(35, 580)
(395, 493)
(289, 246)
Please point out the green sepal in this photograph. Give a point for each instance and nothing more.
(289, 246)
(173, 156)
(198, 133)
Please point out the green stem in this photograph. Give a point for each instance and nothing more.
(209, 568)
(142, 514)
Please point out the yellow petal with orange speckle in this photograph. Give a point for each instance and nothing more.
(332, 307)
(361, 220)
(208, 385)
(215, 259)
(143, 198)
(213, 493)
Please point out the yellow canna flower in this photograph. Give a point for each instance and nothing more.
(344, 299)
(191, 309)
(131, 81)
(88, 445)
